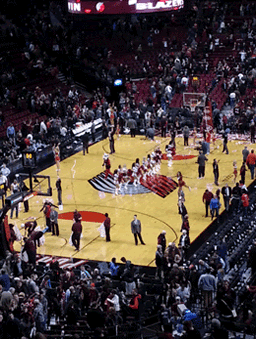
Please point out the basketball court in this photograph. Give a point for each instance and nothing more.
(156, 213)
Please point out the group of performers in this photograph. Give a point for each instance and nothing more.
(139, 171)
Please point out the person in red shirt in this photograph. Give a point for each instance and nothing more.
(30, 248)
(106, 163)
(77, 231)
(77, 216)
(185, 224)
(206, 200)
(251, 161)
(208, 141)
(47, 210)
(133, 307)
(245, 202)
(107, 227)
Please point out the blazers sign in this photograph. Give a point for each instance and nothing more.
(123, 7)
(143, 6)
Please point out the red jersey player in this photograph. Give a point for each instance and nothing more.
(106, 163)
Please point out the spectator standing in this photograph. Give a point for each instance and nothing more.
(113, 300)
(201, 164)
(243, 171)
(245, 153)
(24, 189)
(39, 317)
(93, 131)
(136, 230)
(131, 123)
(76, 236)
(113, 268)
(54, 221)
(184, 243)
(236, 197)
(111, 140)
(59, 191)
(207, 283)
(30, 249)
(10, 133)
(186, 135)
(159, 260)
(226, 192)
(47, 211)
(207, 197)
(15, 189)
(5, 172)
(225, 142)
(3, 184)
(161, 240)
(163, 124)
(107, 227)
(165, 316)
(85, 140)
(134, 304)
(215, 167)
(185, 224)
(251, 161)
(245, 202)
(215, 206)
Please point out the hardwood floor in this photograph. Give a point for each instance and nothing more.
(156, 213)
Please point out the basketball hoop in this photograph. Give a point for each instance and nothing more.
(194, 100)
(193, 107)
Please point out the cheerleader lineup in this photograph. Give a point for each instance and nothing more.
(139, 172)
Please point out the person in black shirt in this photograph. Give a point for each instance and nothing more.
(85, 139)
(59, 190)
(225, 143)
(236, 197)
(111, 141)
(24, 188)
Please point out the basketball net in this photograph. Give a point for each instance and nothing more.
(193, 107)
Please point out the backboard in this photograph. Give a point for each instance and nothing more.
(194, 100)
(41, 184)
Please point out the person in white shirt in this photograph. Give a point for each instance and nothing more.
(43, 128)
(14, 189)
(242, 55)
(147, 118)
(113, 300)
(183, 292)
(184, 81)
(5, 170)
(3, 186)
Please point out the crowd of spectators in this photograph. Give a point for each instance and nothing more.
(116, 299)
(47, 47)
